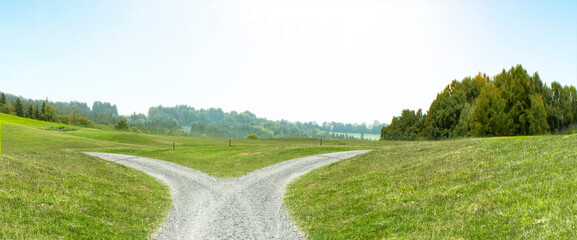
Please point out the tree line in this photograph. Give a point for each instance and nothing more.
(74, 113)
(509, 104)
(214, 122)
(179, 120)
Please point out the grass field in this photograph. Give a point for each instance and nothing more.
(499, 188)
(496, 188)
(47, 195)
(49, 189)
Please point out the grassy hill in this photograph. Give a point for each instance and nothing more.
(50, 190)
(496, 188)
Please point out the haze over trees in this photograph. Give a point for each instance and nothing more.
(179, 120)
(214, 122)
(509, 104)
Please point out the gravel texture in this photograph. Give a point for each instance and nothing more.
(247, 207)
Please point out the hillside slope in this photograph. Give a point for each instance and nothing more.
(495, 188)
(50, 190)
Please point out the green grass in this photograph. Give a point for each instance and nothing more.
(49, 189)
(70, 195)
(244, 156)
(496, 188)
(214, 156)
(499, 188)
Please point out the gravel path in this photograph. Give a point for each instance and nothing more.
(247, 207)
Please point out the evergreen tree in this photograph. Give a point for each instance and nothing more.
(19, 108)
(573, 93)
(43, 112)
(3, 100)
(4, 104)
(36, 112)
(30, 112)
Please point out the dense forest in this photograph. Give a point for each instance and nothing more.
(509, 104)
(180, 120)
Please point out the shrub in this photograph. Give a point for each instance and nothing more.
(252, 137)
(121, 125)
(135, 129)
(82, 121)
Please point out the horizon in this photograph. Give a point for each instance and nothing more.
(307, 61)
(90, 106)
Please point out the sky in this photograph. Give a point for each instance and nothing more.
(298, 60)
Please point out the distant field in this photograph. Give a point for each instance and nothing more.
(366, 136)
(215, 156)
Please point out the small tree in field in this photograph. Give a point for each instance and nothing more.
(49, 114)
(252, 137)
(121, 125)
(73, 118)
(82, 121)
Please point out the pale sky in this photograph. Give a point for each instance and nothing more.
(315, 60)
